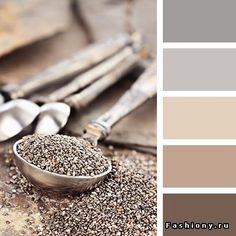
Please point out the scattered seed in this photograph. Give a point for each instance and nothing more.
(124, 204)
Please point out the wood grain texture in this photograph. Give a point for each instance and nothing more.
(20, 19)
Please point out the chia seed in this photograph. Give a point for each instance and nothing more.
(124, 204)
(63, 154)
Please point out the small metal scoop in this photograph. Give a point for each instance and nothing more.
(143, 89)
(54, 115)
(15, 116)
(56, 182)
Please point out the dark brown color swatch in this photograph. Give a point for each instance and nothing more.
(200, 208)
(199, 166)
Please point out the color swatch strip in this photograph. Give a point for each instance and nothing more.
(199, 21)
(199, 117)
(199, 214)
(199, 166)
(199, 69)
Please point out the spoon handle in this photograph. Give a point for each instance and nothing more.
(80, 62)
(92, 75)
(143, 89)
(86, 96)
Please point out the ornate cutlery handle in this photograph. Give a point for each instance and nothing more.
(87, 95)
(91, 75)
(143, 89)
(80, 62)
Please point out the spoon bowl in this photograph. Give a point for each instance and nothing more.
(15, 116)
(1, 99)
(53, 117)
(56, 182)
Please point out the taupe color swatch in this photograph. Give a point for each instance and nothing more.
(199, 208)
(199, 166)
(200, 118)
(199, 21)
(199, 69)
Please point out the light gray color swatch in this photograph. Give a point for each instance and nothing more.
(199, 21)
(200, 69)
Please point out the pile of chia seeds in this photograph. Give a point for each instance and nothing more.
(124, 204)
(63, 154)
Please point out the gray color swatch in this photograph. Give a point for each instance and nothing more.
(200, 69)
(199, 21)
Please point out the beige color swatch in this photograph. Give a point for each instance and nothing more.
(200, 166)
(199, 118)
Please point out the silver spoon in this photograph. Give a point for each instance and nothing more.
(54, 115)
(82, 99)
(15, 116)
(143, 89)
(90, 76)
(66, 69)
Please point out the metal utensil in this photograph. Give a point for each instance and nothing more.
(56, 182)
(53, 116)
(15, 116)
(63, 71)
(83, 98)
(88, 77)
(141, 91)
